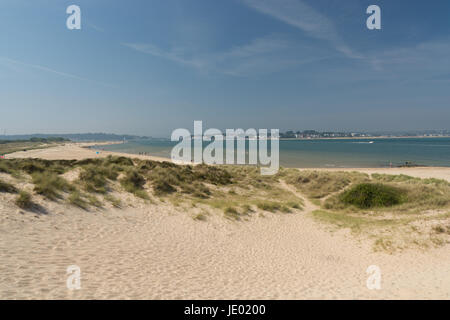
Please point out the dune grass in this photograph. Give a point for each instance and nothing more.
(99, 176)
(269, 206)
(319, 184)
(94, 201)
(167, 178)
(114, 201)
(134, 182)
(24, 200)
(93, 179)
(5, 167)
(76, 199)
(83, 201)
(234, 213)
(356, 223)
(402, 178)
(50, 185)
(7, 187)
(200, 217)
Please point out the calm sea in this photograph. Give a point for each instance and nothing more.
(352, 153)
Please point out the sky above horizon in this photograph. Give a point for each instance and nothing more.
(148, 67)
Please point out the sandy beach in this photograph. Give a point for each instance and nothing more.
(76, 151)
(157, 251)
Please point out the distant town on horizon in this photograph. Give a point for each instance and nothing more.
(290, 134)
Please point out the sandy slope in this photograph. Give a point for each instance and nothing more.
(158, 252)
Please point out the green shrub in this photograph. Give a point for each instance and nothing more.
(134, 183)
(162, 187)
(269, 206)
(197, 189)
(85, 162)
(31, 167)
(212, 174)
(167, 164)
(24, 200)
(110, 171)
(94, 180)
(134, 180)
(5, 167)
(172, 175)
(370, 195)
(146, 165)
(232, 212)
(167, 176)
(123, 161)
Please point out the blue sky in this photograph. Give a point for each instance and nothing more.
(148, 67)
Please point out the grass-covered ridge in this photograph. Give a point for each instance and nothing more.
(397, 211)
(319, 184)
(10, 146)
(237, 192)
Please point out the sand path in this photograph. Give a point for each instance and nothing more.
(158, 253)
(308, 206)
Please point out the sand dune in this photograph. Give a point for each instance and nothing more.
(155, 251)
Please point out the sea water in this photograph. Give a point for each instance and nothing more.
(338, 153)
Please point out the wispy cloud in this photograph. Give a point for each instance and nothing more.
(179, 55)
(94, 26)
(423, 61)
(263, 45)
(49, 70)
(300, 15)
(262, 55)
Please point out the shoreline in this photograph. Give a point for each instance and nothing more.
(82, 150)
